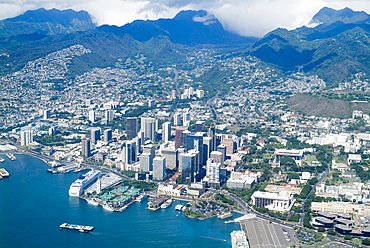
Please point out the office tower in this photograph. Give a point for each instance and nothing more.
(199, 125)
(129, 152)
(52, 130)
(173, 94)
(109, 114)
(151, 103)
(159, 168)
(166, 131)
(146, 162)
(199, 93)
(222, 148)
(217, 157)
(92, 116)
(179, 141)
(95, 135)
(207, 146)
(149, 149)
(213, 173)
(85, 147)
(171, 158)
(186, 119)
(195, 142)
(108, 135)
(88, 102)
(47, 114)
(148, 126)
(26, 137)
(188, 167)
(131, 127)
(177, 119)
(229, 144)
(139, 142)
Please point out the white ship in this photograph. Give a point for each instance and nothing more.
(107, 207)
(179, 207)
(83, 182)
(92, 201)
(141, 197)
(167, 203)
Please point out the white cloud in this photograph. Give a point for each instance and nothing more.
(245, 17)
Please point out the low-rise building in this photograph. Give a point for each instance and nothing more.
(282, 201)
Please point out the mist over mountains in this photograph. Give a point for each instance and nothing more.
(336, 49)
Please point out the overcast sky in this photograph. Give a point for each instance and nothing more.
(245, 17)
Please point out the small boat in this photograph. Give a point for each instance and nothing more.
(92, 201)
(179, 207)
(2, 160)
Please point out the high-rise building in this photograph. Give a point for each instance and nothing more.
(229, 144)
(131, 127)
(171, 158)
(95, 135)
(179, 141)
(166, 131)
(109, 114)
(199, 125)
(177, 121)
(213, 173)
(207, 146)
(52, 130)
(195, 142)
(188, 167)
(85, 147)
(146, 162)
(149, 149)
(159, 168)
(47, 114)
(149, 127)
(217, 157)
(108, 135)
(26, 137)
(186, 119)
(222, 148)
(151, 103)
(129, 152)
(92, 116)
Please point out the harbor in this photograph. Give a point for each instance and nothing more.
(24, 192)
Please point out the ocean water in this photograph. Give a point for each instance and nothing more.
(33, 203)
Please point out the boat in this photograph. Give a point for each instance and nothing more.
(80, 228)
(3, 173)
(83, 182)
(92, 201)
(108, 208)
(10, 156)
(225, 215)
(2, 160)
(53, 163)
(179, 207)
(141, 197)
(167, 203)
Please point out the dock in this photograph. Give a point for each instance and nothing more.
(79, 228)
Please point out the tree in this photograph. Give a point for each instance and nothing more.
(347, 237)
(321, 229)
(366, 242)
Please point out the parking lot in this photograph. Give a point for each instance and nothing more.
(262, 233)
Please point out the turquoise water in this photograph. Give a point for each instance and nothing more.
(33, 203)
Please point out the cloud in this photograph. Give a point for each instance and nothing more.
(245, 17)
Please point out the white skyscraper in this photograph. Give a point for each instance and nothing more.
(166, 131)
(92, 116)
(159, 168)
(149, 126)
(26, 137)
(177, 119)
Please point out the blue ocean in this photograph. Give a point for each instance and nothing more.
(33, 203)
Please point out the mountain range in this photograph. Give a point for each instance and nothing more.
(335, 48)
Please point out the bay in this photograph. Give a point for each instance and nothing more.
(33, 203)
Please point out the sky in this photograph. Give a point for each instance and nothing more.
(244, 17)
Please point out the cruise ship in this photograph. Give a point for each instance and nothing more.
(83, 182)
